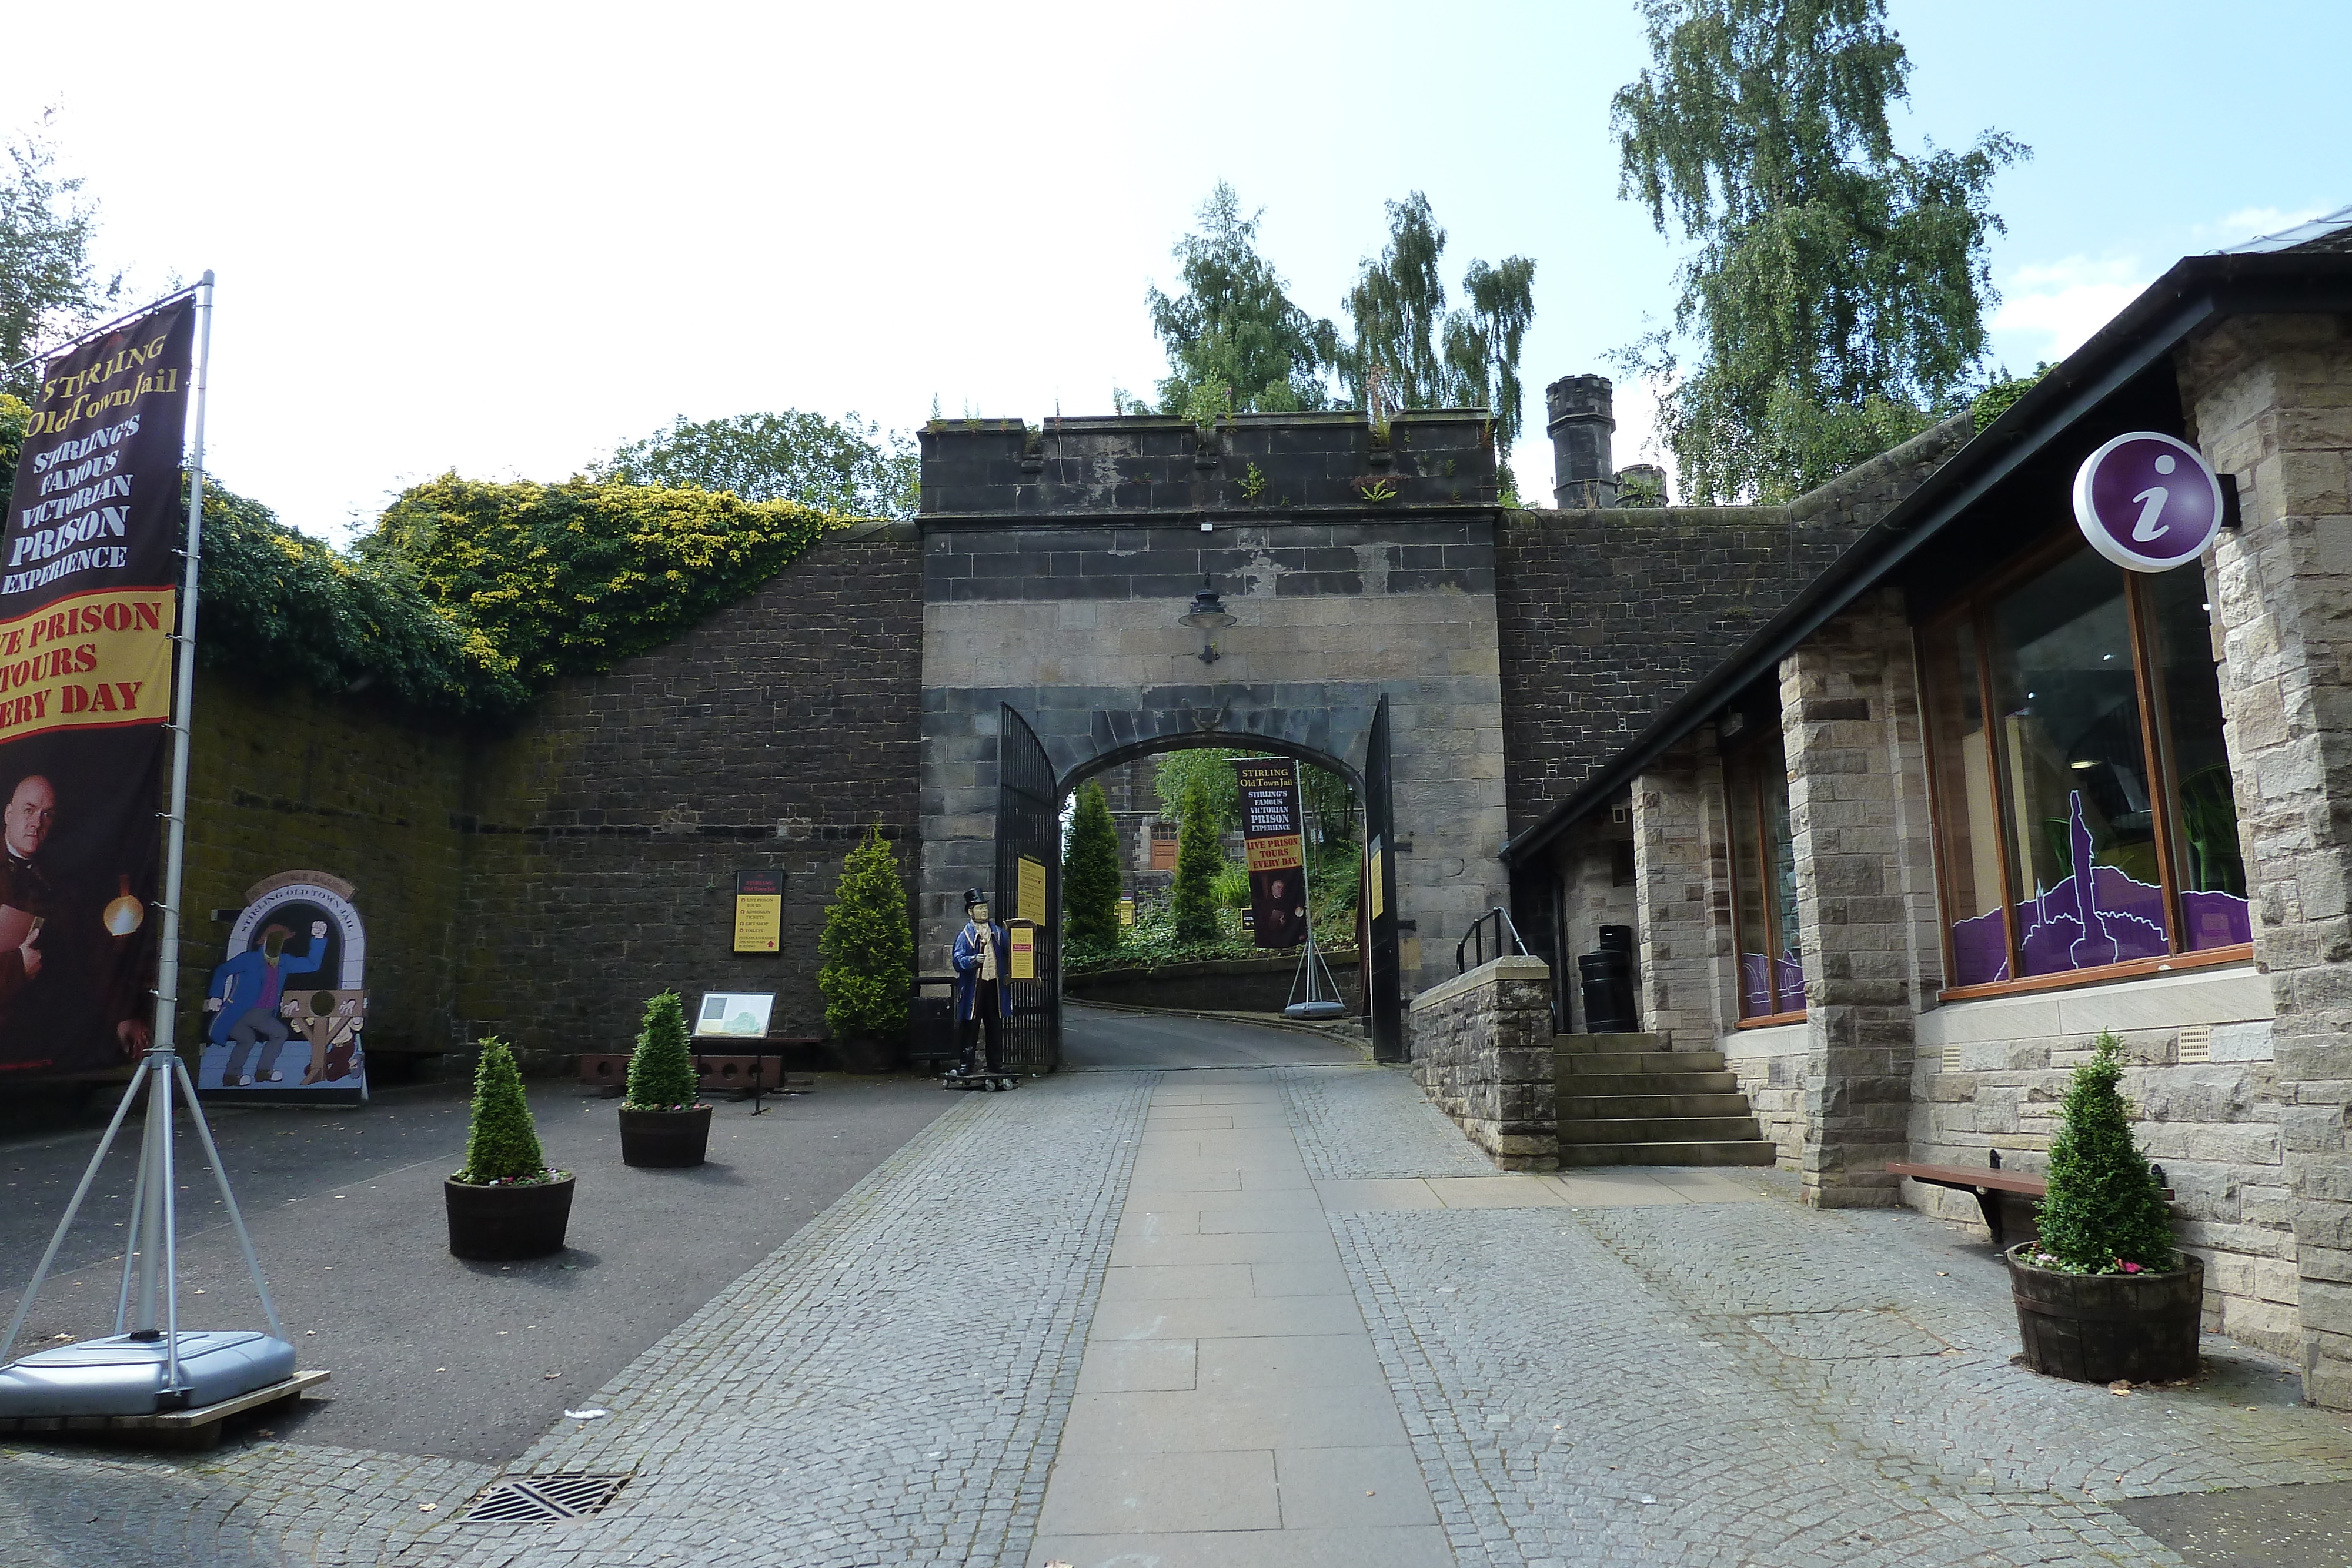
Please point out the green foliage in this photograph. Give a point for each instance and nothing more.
(1090, 868)
(1831, 270)
(1329, 799)
(2105, 1209)
(1229, 888)
(1153, 940)
(1235, 341)
(502, 1144)
(1422, 354)
(1198, 859)
(2002, 394)
(867, 946)
(661, 1068)
(845, 468)
(16, 418)
(49, 287)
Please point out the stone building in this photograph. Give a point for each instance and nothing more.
(1974, 793)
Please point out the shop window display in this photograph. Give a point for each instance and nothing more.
(2091, 821)
(1763, 879)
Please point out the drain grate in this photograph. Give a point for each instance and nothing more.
(539, 1500)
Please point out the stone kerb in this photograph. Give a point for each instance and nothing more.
(1482, 1052)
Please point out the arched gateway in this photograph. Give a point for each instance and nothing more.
(1057, 565)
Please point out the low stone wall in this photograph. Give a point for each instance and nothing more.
(1481, 1052)
(1226, 986)
(1770, 1064)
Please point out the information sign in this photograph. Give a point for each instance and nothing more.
(758, 911)
(1024, 949)
(734, 1015)
(1030, 904)
(2147, 501)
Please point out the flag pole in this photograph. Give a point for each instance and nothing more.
(175, 832)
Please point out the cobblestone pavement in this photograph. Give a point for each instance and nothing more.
(1698, 1383)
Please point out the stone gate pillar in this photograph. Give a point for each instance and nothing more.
(1676, 930)
(2268, 400)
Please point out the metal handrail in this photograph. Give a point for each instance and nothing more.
(1476, 936)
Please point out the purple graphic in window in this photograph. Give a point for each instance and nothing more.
(2087, 923)
(1758, 973)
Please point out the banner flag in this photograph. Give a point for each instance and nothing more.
(1275, 847)
(88, 608)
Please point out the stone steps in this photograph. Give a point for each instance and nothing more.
(1626, 1100)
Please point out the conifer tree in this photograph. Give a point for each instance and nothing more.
(2104, 1207)
(1090, 873)
(868, 946)
(1192, 900)
(661, 1068)
(503, 1144)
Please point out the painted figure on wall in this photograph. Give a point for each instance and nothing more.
(243, 1000)
(288, 1004)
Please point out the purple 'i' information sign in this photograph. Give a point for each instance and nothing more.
(2147, 502)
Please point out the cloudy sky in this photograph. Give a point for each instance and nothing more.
(501, 238)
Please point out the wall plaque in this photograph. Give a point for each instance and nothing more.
(758, 911)
(1031, 905)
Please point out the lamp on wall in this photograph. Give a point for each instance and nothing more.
(1209, 613)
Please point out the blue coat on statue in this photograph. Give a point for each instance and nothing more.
(966, 959)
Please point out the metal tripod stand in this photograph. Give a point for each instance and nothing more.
(151, 1263)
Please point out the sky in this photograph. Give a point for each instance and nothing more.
(502, 238)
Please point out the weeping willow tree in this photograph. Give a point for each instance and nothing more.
(1834, 304)
(1235, 341)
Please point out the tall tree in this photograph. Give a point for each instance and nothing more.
(48, 285)
(1836, 297)
(1192, 897)
(1235, 341)
(1422, 354)
(849, 468)
(867, 945)
(1090, 868)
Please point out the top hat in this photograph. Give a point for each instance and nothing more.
(973, 895)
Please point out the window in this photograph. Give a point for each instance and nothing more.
(2083, 812)
(1763, 879)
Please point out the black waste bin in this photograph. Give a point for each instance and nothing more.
(931, 1021)
(1608, 984)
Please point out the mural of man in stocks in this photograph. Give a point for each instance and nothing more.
(72, 961)
(244, 1003)
(983, 967)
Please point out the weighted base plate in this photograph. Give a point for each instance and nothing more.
(987, 1081)
(120, 1375)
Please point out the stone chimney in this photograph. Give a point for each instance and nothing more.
(1580, 423)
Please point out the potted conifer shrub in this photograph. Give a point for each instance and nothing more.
(2102, 1295)
(868, 948)
(662, 1124)
(506, 1203)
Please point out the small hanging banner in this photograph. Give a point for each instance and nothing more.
(88, 608)
(1276, 849)
(758, 911)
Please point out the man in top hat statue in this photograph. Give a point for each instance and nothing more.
(983, 967)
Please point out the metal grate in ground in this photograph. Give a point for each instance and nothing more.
(541, 1500)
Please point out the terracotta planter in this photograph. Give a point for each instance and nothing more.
(665, 1140)
(2097, 1328)
(499, 1224)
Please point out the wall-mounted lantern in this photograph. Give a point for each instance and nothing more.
(1209, 613)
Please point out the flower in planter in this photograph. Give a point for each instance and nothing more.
(502, 1146)
(2104, 1213)
(661, 1068)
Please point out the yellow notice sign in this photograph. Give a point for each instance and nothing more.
(758, 911)
(1374, 880)
(1127, 912)
(1024, 950)
(1031, 904)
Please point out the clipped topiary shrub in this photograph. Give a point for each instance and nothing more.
(867, 945)
(2105, 1214)
(503, 1145)
(661, 1068)
(1192, 898)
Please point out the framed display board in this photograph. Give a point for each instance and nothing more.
(734, 1015)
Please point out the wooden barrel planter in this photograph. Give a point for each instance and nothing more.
(499, 1224)
(665, 1140)
(2100, 1328)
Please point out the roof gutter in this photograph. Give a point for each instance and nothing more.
(2197, 291)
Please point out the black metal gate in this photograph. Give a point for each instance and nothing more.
(1387, 1000)
(1029, 887)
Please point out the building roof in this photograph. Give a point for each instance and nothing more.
(2305, 269)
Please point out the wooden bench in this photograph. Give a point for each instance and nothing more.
(1987, 1183)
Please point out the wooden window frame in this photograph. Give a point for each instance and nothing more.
(1974, 608)
(1767, 900)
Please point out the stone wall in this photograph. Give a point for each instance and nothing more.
(1608, 614)
(1680, 944)
(2268, 400)
(1595, 864)
(1481, 1052)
